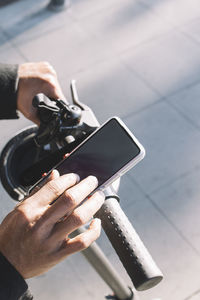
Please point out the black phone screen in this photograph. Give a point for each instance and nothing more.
(103, 154)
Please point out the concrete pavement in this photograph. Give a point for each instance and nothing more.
(140, 60)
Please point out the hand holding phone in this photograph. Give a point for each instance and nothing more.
(107, 153)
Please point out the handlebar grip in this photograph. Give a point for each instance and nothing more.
(136, 259)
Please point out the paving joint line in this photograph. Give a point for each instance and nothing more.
(132, 70)
(187, 119)
(170, 182)
(177, 230)
(193, 294)
(13, 45)
(146, 107)
(175, 26)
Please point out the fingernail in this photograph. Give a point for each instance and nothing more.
(55, 174)
(93, 179)
(77, 177)
(72, 176)
(96, 222)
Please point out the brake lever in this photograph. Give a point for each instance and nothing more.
(56, 137)
(88, 116)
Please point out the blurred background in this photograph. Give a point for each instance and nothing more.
(140, 60)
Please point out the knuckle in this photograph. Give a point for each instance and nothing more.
(22, 213)
(49, 80)
(50, 84)
(46, 63)
(25, 222)
(83, 242)
(78, 219)
(55, 187)
(70, 198)
(49, 68)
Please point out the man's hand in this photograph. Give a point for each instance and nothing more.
(35, 78)
(35, 235)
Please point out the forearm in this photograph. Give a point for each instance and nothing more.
(12, 284)
(8, 91)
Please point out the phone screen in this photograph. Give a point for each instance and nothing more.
(103, 154)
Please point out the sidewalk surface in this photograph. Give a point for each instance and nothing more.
(139, 60)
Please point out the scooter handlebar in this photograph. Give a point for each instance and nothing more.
(134, 256)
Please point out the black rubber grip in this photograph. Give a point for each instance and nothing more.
(136, 259)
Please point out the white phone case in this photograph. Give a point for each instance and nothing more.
(131, 163)
(123, 170)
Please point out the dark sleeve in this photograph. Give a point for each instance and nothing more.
(8, 91)
(12, 284)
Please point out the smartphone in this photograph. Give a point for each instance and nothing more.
(107, 153)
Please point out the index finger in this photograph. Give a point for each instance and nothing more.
(54, 174)
(69, 200)
(53, 189)
(65, 204)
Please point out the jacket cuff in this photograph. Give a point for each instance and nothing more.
(8, 91)
(12, 284)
